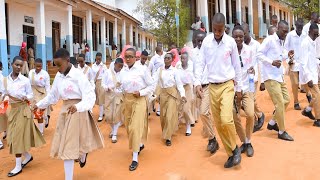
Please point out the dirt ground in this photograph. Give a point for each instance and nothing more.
(187, 158)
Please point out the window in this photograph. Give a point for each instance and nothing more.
(280, 12)
(77, 28)
(7, 28)
(264, 12)
(227, 12)
(247, 14)
(146, 43)
(270, 12)
(139, 44)
(192, 4)
(94, 37)
(234, 11)
(134, 38)
(111, 33)
(284, 16)
(120, 42)
(150, 44)
(211, 12)
(99, 32)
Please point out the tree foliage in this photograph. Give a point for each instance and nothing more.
(159, 18)
(303, 8)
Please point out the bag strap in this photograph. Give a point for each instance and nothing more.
(5, 83)
(86, 70)
(114, 77)
(32, 78)
(161, 80)
(97, 75)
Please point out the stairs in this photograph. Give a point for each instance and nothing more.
(52, 70)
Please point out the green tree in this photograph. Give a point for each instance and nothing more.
(159, 18)
(303, 8)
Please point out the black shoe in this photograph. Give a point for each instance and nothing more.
(158, 114)
(229, 162)
(133, 166)
(24, 165)
(82, 164)
(192, 125)
(285, 136)
(46, 126)
(141, 148)
(196, 121)
(210, 144)
(10, 174)
(2, 147)
(309, 98)
(243, 148)
(297, 106)
(308, 114)
(316, 123)
(236, 156)
(303, 91)
(4, 137)
(188, 134)
(168, 142)
(250, 150)
(215, 147)
(274, 127)
(259, 124)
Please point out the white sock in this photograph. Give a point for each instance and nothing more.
(158, 109)
(83, 157)
(141, 144)
(308, 108)
(4, 133)
(135, 156)
(280, 132)
(188, 129)
(248, 141)
(18, 165)
(272, 122)
(101, 111)
(41, 127)
(1, 144)
(27, 157)
(115, 128)
(68, 169)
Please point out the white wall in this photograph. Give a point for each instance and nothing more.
(57, 16)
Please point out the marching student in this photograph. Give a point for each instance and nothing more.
(144, 58)
(3, 112)
(99, 69)
(136, 84)
(248, 89)
(22, 132)
(309, 73)
(87, 70)
(219, 53)
(40, 83)
(76, 134)
(171, 89)
(314, 18)
(272, 53)
(113, 102)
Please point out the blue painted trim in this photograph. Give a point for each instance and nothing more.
(41, 53)
(115, 40)
(4, 57)
(49, 48)
(239, 17)
(70, 44)
(260, 27)
(206, 22)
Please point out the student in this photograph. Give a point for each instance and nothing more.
(4, 102)
(99, 69)
(219, 53)
(136, 83)
(113, 98)
(272, 53)
(138, 55)
(23, 54)
(185, 72)
(171, 90)
(144, 58)
(22, 132)
(88, 55)
(31, 56)
(247, 67)
(204, 100)
(40, 83)
(314, 18)
(176, 57)
(310, 74)
(76, 47)
(87, 71)
(76, 134)
(197, 23)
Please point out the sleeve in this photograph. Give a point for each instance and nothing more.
(104, 81)
(151, 86)
(198, 72)
(30, 76)
(304, 64)
(52, 97)
(29, 91)
(237, 67)
(262, 51)
(47, 86)
(179, 84)
(150, 67)
(88, 95)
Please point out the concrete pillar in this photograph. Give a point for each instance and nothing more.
(260, 16)
(223, 9)
(143, 42)
(131, 35)
(89, 33)
(267, 13)
(103, 38)
(238, 10)
(41, 34)
(107, 32)
(69, 36)
(217, 5)
(230, 11)
(250, 12)
(204, 12)
(115, 32)
(3, 39)
(84, 30)
(124, 41)
(136, 38)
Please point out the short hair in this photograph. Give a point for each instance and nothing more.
(271, 28)
(245, 26)
(170, 54)
(98, 54)
(158, 49)
(118, 60)
(38, 60)
(299, 21)
(145, 53)
(186, 53)
(314, 14)
(313, 26)
(283, 22)
(132, 50)
(17, 58)
(61, 53)
(82, 56)
(274, 17)
(237, 28)
(219, 18)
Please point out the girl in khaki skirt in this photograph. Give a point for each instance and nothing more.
(22, 132)
(3, 117)
(76, 134)
(171, 91)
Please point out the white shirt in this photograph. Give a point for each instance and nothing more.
(222, 61)
(72, 86)
(96, 68)
(272, 49)
(204, 79)
(248, 62)
(42, 79)
(254, 47)
(293, 42)
(108, 81)
(76, 48)
(19, 88)
(196, 25)
(137, 78)
(155, 63)
(89, 73)
(186, 75)
(170, 77)
(309, 67)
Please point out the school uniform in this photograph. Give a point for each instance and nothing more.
(88, 72)
(155, 63)
(136, 78)
(98, 71)
(3, 107)
(222, 62)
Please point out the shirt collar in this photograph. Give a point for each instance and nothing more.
(70, 74)
(224, 38)
(20, 76)
(135, 65)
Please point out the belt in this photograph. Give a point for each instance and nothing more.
(219, 83)
(204, 85)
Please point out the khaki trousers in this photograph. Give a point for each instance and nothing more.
(221, 99)
(315, 102)
(257, 110)
(205, 115)
(186, 109)
(280, 98)
(294, 78)
(248, 106)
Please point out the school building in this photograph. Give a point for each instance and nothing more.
(52, 24)
(257, 13)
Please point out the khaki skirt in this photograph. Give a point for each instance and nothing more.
(25, 68)
(113, 108)
(76, 134)
(186, 108)
(39, 93)
(100, 93)
(22, 132)
(3, 122)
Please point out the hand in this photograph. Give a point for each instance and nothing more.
(34, 108)
(72, 109)
(291, 62)
(118, 85)
(251, 70)
(239, 98)
(199, 92)
(184, 100)
(276, 63)
(262, 87)
(310, 84)
(291, 53)
(136, 94)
